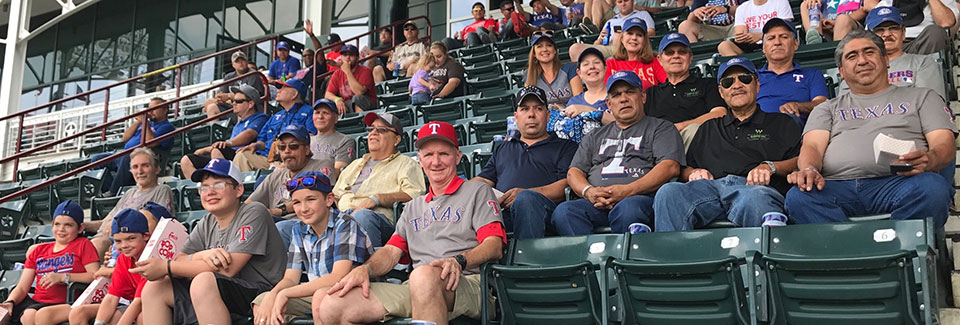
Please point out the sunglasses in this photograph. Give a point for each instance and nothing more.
(546, 33)
(284, 146)
(241, 101)
(380, 129)
(745, 78)
(507, 9)
(410, 28)
(682, 51)
(308, 182)
(477, 10)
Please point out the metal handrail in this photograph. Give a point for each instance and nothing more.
(143, 142)
(320, 58)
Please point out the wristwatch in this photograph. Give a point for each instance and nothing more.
(461, 260)
(773, 169)
(66, 278)
(283, 208)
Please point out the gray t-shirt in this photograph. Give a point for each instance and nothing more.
(251, 232)
(252, 80)
(334, 146)
(135, 199)
(273, 189)
(855, 120)
(610, 155)
(447, 224)
(912, 70)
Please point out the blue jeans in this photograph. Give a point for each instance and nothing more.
(375, 224)
(685, 206)
(579, 217)
(420, 99)
(528, 215)
(285, 227)
(926, 195)
(121, 168)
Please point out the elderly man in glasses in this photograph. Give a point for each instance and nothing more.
(369, 186)
(293, 146)
(737, 164)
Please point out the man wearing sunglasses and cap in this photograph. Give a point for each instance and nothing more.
(842, 174)
(222, 100)
(351, 87)
(285, 66)
(293, 111)
(247, 106)
(231, 256)
(684, 100)
(369, 186)
(785, 87)
(737, 164)
(619, 167)
(447, 234)
(406, 54)
(325, 245)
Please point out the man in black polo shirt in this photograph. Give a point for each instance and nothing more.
(531, 170)
(684, 100)
(737, 165)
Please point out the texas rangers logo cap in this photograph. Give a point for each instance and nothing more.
(673, 38)
(629, 77)
(436, 130)
(880, 15)
(635, 22)
(736, 62)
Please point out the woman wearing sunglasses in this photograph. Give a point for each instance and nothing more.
(636, 54)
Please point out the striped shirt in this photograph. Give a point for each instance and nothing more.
(315, 254)
(396, 173)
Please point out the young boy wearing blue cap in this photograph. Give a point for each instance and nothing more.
(230, 257)
(131, 231)
(54, 265)
(325, 244)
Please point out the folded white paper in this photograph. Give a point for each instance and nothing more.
(886, 149)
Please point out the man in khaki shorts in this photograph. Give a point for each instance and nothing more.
(447, 234)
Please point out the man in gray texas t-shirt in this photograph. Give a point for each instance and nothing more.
(328, 144)
(618, 167)
(841, 176)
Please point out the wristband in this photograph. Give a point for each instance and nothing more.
(229, 143)
(169, 274)
(369, 271)
(812, 169)
(337, 99)
(376, 201)
(583, 193)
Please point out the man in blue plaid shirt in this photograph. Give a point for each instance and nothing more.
(325, 245)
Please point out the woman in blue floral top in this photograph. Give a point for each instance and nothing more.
(588, 110)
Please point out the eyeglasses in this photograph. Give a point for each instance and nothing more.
(882, 30)
(283, 146)
(681, 51)
(216, 186)
(380, 129)
(308, 182)
(507, 9)
(745, 78)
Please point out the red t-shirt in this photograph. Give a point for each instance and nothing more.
(651, 73)
(333, 56)
(339, 86)
(71, 259)
(124, 284)
(490, 24)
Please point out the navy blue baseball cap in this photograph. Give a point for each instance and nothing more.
(880, 15)
(311, 180)
(528, 91)
(349, 49)
(329, 104)
(282, 45)
(546, 36)
(295, 84)
(673, 38)
(635, 22)
(591, 51)
(629, 77)
(158, 211)
(220, 167)
(130, 221)
(736, 62)
(71, 209)
(297, 131)
(774, 22)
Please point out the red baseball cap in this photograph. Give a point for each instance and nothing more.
(436, 130)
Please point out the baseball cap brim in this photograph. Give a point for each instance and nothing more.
(528, 95)
(591, 51)
(420, 142)
(777, 22)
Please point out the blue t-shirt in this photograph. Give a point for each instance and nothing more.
(159, 128)
(575, 128)
(252, 122)
(797, 85)
(577, 9)
(300, 113)
(516, 165)
(279, 68)
(546, 17)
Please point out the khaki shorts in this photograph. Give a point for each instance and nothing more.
(396, 298)
(296, 307)
(714, 32)
(249, 161)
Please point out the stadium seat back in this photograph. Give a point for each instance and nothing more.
(855, 273)
(447, 111)
(13, 251)
(498, 84)
(497, 106)
(101, 206)
(198, 137)
(484, 132)
(11, 216)
(397, 85)
(350, 125)
(39, 201)
(395, 99)
(407, 115)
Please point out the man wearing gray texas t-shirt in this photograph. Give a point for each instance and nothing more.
(328, 144)
(839, 173)
(618, 168)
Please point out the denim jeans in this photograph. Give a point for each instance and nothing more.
(376, 225)
(121, 168)
(420, 99)
(685, 206)
(285, 227)
(529, 214)
(926, 195)
(579, 217)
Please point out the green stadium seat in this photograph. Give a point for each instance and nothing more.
(91, 149)
(40, 233)
(484, 71)
(30, 174)
(101, 206)
(690, 277)
(483, 132)
(870, 272)
(13, 251)
(8, 281)
(516, 42)
(189, 219)
(249, 180)
(498, 84)
(220, 131)
(518, 53)
(449, 111)
(407, 115)
(517, 65)
(197, 138)
(9, 188)
(350, 125)
(112, 145)
(395, 99)
(496, 105)
(667, 13)
(553, 280)
(11, 216)
(40, 201)
(564, 44)
(474, 50)
(397, 85)
(190, 196)
(480, 59)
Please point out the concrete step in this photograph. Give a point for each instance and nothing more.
(950, 316)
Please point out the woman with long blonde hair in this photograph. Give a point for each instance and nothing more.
(636, 54)
(544, 71)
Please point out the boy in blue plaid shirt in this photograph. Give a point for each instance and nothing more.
(325, 245)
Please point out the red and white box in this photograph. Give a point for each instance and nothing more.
(4, 316)
(94, 293)
(167, 239)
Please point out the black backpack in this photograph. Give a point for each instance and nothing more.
(911, 11)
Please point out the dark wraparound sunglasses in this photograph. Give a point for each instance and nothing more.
(727, 82)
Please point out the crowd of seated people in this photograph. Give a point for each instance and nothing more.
(626, 131)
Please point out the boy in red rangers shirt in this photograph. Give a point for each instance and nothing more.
(131, 232)
(53, 265)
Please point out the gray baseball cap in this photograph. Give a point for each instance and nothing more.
(238, 55)
(387, 118)
(247, 90)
